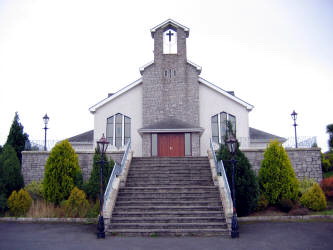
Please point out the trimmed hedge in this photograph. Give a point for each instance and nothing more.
(314, 198)
(62, 173)
(277, 179)
(19, 202)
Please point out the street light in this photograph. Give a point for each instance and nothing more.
(102, 145)
(294, 116)
(232, 145)
(46, 121)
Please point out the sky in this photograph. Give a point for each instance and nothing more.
(62, 57)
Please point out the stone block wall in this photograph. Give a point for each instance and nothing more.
(306, 162)
(33, 163)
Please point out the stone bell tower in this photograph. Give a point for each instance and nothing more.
(170, 83)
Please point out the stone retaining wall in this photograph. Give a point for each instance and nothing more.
(306, 162)
(33, 163)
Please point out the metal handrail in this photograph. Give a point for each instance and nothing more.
(223, 174)
(217, 165)
(117, 170)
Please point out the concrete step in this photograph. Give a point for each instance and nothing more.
(169, 189)
(168, 213)
(205, 225)
(153, 208)
(179, 203)
(170, 232)
(170, 220)
(185, 196)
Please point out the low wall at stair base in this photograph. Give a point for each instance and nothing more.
(305, 161)
(33, 163)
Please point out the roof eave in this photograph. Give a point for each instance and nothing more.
(167, 22)
(248, 106)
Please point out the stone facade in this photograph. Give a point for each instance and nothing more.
(170, 87)
(306, 162)
(33, 163)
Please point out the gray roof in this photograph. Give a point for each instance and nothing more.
(84, 137)
(258, 135)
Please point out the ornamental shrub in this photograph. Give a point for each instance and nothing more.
(19, 202)
(314, 198)
(77, 204)
(246, 184)
(327, 186)
(286, 205)
(3, 203)
(92, 188)
(262, 203)
(62, 173)
(305, 185)
(277, 178)
(35, 189)
(10, 171)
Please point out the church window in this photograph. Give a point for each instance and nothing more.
(118, 130)
(170, 41)
(215, 129)
(219, 123)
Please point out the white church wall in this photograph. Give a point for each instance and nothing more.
(212, 103)
(129, 104)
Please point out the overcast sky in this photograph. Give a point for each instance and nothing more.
(64, 56)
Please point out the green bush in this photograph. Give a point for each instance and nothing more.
(19, 202)
(62, 171)
(93, 211)
(262, 203)
(77, 204)
(246, 184)
(305, 185)
(314, 198)
(35, 189)
(277, 178)
(3, 203)
(92, 187)
(10, 171)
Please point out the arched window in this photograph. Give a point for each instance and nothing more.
(170, 41)
(118, 130)
(219, 125)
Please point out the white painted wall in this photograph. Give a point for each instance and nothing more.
(211, 103)
(129, 104)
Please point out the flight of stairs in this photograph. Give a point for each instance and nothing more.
(168, 197)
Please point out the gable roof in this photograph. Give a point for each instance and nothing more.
(229, 94)
(84, 137)
(169, 22)
(114, 96)
(257, 135)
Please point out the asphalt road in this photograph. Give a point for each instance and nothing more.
(264, 235)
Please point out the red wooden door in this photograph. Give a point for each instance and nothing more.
(171, 145)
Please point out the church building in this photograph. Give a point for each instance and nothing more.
(171, 110)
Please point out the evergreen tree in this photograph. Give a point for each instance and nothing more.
(277, 179)
(62, 173)
(16, 137)
(329, 130)
(92, 187)
(246, 185)
(10, 171)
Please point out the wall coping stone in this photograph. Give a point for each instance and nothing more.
(287, 149)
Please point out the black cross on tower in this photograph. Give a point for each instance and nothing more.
(169, 34)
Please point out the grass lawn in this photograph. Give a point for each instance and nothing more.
(328, 174)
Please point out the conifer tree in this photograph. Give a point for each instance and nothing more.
(246, 184)
(329, 130)
(16, 137)
(10, 171)
(277, 179)
(92, 187)
(62, 173)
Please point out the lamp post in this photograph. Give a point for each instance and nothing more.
(46, 121)
(232, 144)
(294, 116)
(102, 145)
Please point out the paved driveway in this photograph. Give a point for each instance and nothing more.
(264, 235)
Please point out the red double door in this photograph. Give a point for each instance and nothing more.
(171, 145)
